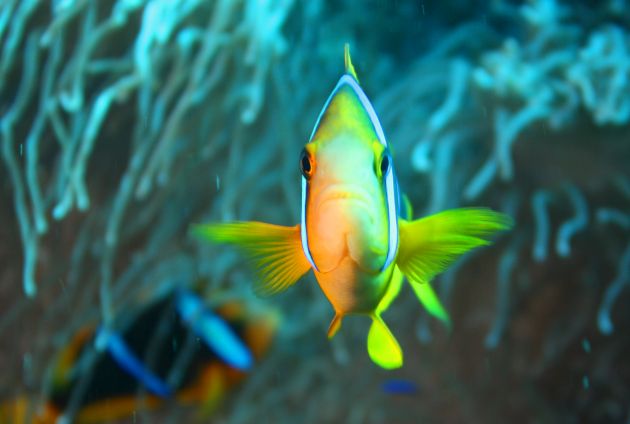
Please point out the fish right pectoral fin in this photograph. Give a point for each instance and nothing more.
(275, 251)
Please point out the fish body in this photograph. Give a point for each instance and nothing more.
(347, 203)
(355, 230)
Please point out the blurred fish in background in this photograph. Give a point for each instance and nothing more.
(123, 122)
(174, 349)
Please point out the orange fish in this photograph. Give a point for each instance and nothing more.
(111, 391)
(356, 231)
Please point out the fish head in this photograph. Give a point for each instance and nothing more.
(349, 189)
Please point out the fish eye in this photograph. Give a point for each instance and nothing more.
(386, 163)
(306, 165)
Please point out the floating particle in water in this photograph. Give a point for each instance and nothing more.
(586, 345)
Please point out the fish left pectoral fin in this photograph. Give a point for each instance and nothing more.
(430, 245)
(383, 347)
(274, 250)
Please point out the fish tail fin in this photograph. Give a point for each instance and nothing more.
(274, 250)
(430, 245)
(383, 347)
(335, 325)
(348, 62)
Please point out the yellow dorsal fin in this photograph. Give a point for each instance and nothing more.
(407, 209)
(348, 62)
(429, 245)
(274, 250)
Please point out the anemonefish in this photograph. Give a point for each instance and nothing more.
(226, 342)
(356, 231)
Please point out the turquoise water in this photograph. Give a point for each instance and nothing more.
(122, 123)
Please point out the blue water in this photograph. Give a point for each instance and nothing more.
(122, 123)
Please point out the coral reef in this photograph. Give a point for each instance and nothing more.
(123, 122)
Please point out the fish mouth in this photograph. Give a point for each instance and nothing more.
(347, 255)
(345, 221)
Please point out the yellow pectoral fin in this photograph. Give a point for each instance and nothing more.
(429, 245)
(275, 251)
(382, 346)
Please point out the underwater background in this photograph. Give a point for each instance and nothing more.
(124, 122)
